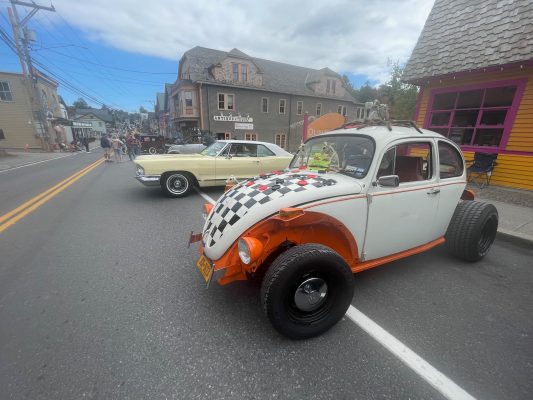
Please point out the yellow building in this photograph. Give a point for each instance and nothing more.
(20, 121)
(474, 67)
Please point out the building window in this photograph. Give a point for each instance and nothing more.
(5, 92)
(227, 135)
(188, 99)
(318, 109)
(226, 101)
(341, 110)
(330, 86)
(240, 72)
(235, 72)
(282, 103)
(474, 117)
(44, 98)
(281, 140)
(2, 136)
(264, 104)
(299, 107)
(250, 136)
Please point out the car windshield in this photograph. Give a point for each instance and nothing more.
(213, 149)
(347, 154)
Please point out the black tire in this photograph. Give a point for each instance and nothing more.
(177, 184)
(472, 230)
(152, 150)
(307, 263)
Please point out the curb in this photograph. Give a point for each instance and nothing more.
(515, 237)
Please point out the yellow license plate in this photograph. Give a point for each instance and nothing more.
(205, 267)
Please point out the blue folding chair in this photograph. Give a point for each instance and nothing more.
(480, 171)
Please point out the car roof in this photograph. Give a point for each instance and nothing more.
(274, 147)
(242, 141)
(382, 135)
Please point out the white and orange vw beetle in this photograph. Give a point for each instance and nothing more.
(352, 199)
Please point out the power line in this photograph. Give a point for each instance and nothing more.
(66, 84)
(116, 68)
(119, 89)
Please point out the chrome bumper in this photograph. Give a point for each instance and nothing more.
(149, 180)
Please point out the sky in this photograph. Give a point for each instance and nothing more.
(122, 52)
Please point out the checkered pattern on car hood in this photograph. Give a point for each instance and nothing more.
(255, 199)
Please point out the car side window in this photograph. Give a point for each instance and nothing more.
(243, 150)
(410, 161)
(450, 161)
(263, 151)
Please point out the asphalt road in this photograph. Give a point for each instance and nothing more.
(100, 299)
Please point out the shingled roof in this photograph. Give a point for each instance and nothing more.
(463, 36)
(277, 77)
(104, 115)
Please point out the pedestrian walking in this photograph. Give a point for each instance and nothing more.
(130, 143)
(117, 144)
(85, 142)
(106, 145)
(137, 144)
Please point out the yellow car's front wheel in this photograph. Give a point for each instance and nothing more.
(177, 184)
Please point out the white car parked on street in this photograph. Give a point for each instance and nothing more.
(352, 199)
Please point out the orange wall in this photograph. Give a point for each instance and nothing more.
(511, 170)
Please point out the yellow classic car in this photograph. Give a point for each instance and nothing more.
(177, 174)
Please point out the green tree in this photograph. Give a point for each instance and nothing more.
(80, 103)
(399, 96)
(367, 93)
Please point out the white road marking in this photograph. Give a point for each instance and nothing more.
(36, 162)
(205, 196)
(439, 381)
(435, 378)
(50, 159)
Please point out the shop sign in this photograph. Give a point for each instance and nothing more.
(76, 124)
(233, 118)
(244, 126)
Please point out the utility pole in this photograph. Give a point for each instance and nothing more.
(22, 41)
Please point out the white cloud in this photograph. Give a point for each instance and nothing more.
(349, 36)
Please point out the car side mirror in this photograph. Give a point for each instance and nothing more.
(228, 156)
(389, 181)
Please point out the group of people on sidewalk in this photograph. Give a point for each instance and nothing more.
(108, 143)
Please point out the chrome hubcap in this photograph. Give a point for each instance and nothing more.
(311, 294)
(177, 184)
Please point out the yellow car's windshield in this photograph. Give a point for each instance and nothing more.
(213, 149)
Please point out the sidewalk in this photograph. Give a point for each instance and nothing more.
(19, 158)
(515, 209)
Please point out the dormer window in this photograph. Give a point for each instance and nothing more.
(240, 72)
(330, 86)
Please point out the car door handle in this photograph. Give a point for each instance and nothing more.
(433, 191)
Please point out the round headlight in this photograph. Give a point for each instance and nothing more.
(140, 170)
(250, 249)
(244, 251)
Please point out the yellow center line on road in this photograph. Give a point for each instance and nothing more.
(24, 209)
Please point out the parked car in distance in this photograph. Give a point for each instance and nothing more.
(152, 144)
(353, 199)
(177, 174)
